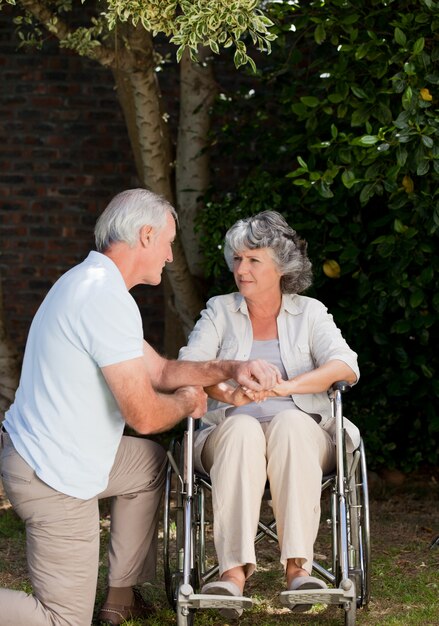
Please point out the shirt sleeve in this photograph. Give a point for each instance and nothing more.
(204, 340)
(110, 327)
(327, 342)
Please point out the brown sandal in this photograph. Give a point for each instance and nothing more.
(116, 614)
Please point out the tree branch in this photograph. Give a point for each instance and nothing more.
(104, 55)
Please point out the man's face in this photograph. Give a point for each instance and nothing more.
(158, 252)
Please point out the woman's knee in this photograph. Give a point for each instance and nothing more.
(243, 428)
(292, 421)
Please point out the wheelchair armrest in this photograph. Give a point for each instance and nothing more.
(341, 385)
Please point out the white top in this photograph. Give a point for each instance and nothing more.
(268, 350)
(64, 421)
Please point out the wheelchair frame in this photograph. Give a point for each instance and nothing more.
(185, 561)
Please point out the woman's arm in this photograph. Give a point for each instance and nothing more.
(224, 392)
(317, 380)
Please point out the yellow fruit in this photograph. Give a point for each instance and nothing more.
(408, 184)
(331, 268)
(426, 95)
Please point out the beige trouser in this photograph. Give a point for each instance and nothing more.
(62, 535)
(293, 452)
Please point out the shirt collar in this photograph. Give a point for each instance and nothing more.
(289, 304)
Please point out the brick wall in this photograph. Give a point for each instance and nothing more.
(64, 153)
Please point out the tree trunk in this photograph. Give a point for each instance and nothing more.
(9, 368)
(197, 93)
(141, 101)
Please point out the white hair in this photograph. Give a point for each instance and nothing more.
(127, 213)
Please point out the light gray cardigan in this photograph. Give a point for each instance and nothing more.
(308, 338)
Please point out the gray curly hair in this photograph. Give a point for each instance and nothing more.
(269, 229)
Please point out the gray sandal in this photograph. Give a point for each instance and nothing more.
(224, 588)
(305, 582)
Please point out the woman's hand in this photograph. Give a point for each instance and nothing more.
(255, 396)
(240, 397)
(236, 396)
(282, 389)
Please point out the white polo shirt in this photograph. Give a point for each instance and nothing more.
(64, 421)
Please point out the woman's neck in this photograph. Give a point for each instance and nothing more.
(263, 317)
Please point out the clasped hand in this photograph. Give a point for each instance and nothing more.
(258, 380)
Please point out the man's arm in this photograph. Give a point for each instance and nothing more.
(143, 408)
(167, 375)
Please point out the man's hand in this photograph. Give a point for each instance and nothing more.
(257, 375)
(194, 399)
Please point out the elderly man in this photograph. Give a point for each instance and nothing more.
(87, 372)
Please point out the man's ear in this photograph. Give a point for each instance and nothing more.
(146, 235)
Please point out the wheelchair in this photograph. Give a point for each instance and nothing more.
(187, 568)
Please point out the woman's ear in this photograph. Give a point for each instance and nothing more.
(146, 235)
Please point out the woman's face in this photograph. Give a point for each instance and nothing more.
(256, 273)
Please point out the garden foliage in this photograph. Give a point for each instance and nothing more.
(339, 131)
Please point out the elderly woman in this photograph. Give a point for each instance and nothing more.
(286, 437)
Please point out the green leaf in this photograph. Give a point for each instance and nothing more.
(213, 46)
(368, 140)
(407, 98)
(426, 276)
(427, 371)
(366, 193)
(357, 91)
(401, 327)
(320, 34)
(310, 101)
(409, 69)
(399, 226)
(400, 37)
(348, 178)
(419, 45)
(423, 167)
(299, 109)
(416, 298)
(401, 155)
(362, 51)
(324, 189)
(427, 141)
(335, 98)
(302, 163)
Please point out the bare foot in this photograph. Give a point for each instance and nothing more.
(294, 571)
(235, 575)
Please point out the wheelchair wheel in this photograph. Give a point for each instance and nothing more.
(359, 529)
(174, 536)
(173, 531)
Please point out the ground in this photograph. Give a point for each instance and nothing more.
(405, 565)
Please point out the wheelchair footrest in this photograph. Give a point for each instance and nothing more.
(317, 596)
(211, 601)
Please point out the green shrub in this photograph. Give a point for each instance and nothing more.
(339, 131)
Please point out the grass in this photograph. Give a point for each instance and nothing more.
(405, 570)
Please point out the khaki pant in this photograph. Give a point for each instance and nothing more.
(62, 535)
(293, 452)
